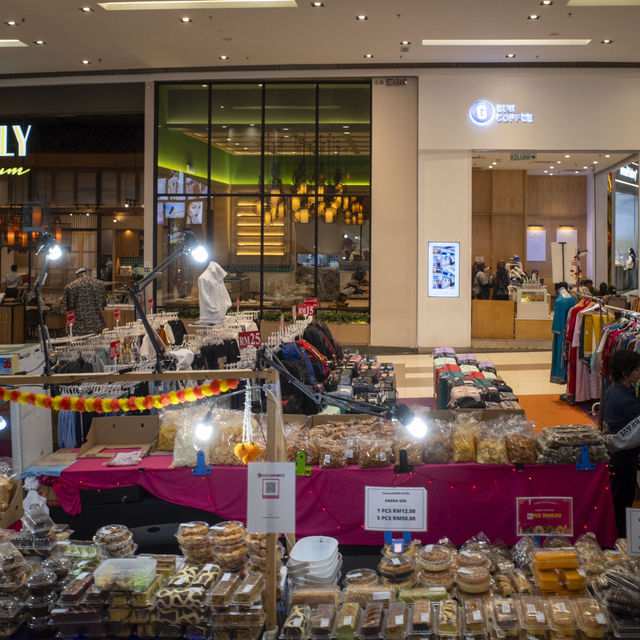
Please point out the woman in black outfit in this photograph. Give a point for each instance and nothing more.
(621, 412)
(500, 282)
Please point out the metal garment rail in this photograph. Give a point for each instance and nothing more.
(620, 310)
(276, 448)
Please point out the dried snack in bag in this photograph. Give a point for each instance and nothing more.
(491, 449)
(463, 444)
(436, 447)
(375, 452)
(403, 440)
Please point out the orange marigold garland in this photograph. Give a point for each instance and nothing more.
(110, 405)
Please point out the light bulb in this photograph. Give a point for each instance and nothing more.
(54, 252)
(417, 428)
(203, 432)
(3, 423)
(200, 254)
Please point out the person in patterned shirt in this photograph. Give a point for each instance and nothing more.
(86, 296)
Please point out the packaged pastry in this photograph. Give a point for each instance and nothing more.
(372, 621)
(183, 578)
(555, 559)
(505, 616)
(396, 549)
(173, 598)
(504, 586)
(332, 454)
(347, 621)
(521, 582)
(416, 594)
(533, 615)
(447, 621)
(562, 619)
(297, 622)
(10, 607)
(142, 615)
(74, 592)
(321, 621)
(41, 582)
(231, 558)
(361, 576)
(10, 557)
(572, 579)
(473, 579)
(193, 532)
(404, 441)
(119, 598)
(592, 617)
(59, 565)
(547, 580)
(474, 616)
(444, 579)
(125, 574)
(422, 616)
(314, 596)
(113, 536)
(224, 589)
(250, 589)
(470, 558)
(396, 620)
(228, 533)
(435, 557)
(521, 448)
(397, 570)
(144, 598)
(364, 594)
(37, 521)
(207, 576)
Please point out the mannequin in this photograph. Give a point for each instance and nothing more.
(86, 296)
(563, 292)
(214, 297)
(631, 260)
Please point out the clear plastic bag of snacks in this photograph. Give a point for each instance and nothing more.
(436, 448)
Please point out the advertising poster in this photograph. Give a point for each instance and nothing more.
(174, 209)
(544, 516)
(194, 212)
(444, 270)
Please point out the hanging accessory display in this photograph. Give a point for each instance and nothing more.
(247, 450)
(112, 405)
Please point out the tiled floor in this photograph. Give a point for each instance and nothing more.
(527, 372)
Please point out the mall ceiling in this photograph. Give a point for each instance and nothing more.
(56, 36)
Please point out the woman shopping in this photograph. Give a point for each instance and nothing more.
(621, 413)
(500, 282)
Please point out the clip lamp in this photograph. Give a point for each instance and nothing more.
(3, 423)
(203, 432)
(416, 426)
(193, 248)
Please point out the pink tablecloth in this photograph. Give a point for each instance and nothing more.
(463, 499)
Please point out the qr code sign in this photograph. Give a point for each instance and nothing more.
(271, 488)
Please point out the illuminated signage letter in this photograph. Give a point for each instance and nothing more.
(21, 137)
(3, 141)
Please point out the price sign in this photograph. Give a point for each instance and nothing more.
(306, 310)
(395, 509)
(312, 301)
(116, 315)
(71, 317)
(249, 339)
(114, 350)
(633, 532)
(150, 303)
(544, 516)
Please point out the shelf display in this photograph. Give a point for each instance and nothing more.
(532, 301)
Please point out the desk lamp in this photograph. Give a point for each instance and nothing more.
(52, 252)
(189, 246)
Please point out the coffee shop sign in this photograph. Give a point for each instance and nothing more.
(484, 113)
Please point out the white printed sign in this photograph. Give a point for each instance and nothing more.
(271, 497)
(633, 532)
(395, 509)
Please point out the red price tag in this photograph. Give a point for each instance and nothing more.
(71, 317)
(249, 339)
(116, 315)
(114, 350)
(305, 310)
(312, 301)
(150, 303)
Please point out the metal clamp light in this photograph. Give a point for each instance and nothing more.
(189, 246)
(52, 252)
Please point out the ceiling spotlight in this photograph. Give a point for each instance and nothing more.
(317, 5)
(347, 133)
(185, 19)
(11, 23)
(558, 161)
(510, 55)
(405, 43)
(87, 214)
(546, 3)
(245, 148)
(494, 163)
(368, 55)
(606, 41)
(566, 155)
(576, 172)
(551, 167)
(361, 18)
(86, 9)
(490, 166)
(228, 139)
(115, 219)
(252, 124)
(606, 155)
(533, 16)
(595, 162)
(345, 126)
(585, 167)
(86, 62)
(546, 171)
(39, 42)
(224, 58)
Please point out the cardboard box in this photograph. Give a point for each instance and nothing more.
(120, 432)
(15, 510)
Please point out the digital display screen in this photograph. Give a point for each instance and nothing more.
(444, 270)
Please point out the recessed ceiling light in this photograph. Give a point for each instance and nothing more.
(86, 62)
(39, 42)
(185, 19)
(494, 162)
(533, 16)
(157, 5)
(507, 42)
(368, 55)
(585, 167)
(510, 55)
(490, 166)
(245, 148)
(237, 144)
(317, 5)
(228, 139)
(87, 214)
(606, 41)
(252, 125)
(204, 85)
(347, 133)
(566, 155)
(546, 3)
(285, 128)
(576, 172)
(595, 162)
(405, 43)
(11, 23)
(551, 167)
(287, 136)
(86, 9)
(558, 161)
(345, 126)
(606, 155)
(224, 126)
(115, 219)
(224, 57)
(361, 18)
(546, 171)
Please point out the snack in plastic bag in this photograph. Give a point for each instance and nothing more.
(413, 446)
(375, 452)
(436, 447)
(491, 449)
(186, 447)
(464, 444)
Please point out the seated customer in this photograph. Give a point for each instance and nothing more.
(12, 282)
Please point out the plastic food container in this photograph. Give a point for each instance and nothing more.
(469, 558)
(474, 617)
(321, 621)
(533, 615)
(238, 616)
(396, 621)
(207, 576)
(9, 609)
(314, 596)
(223, 591)
(10, 557)
(504, 613)
(297, 623)
(347, 621)
(125, 574)
(250, 589)
(397, 570)
(591, 616)
(361, 576)
(314, 551)
(421, 617)
(74, 592)
(78, 549)
(364, 594)
(562, 618)
(372, 622)
(435, 557)
(448, 619)
(415, 594)
(555, 559)
(59, 565)
(143, 598)
(41, 581)
(231, 532)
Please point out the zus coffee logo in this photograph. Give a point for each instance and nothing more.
(14, 137)
(484, 113)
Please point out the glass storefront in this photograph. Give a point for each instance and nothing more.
(625, 246)
(275, 177)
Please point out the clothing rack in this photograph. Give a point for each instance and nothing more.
(287, 334)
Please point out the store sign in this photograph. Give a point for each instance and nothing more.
(484, 113)
(633, 532)
(271, 497)
(523, 156)
(18, 137)
(249, 339)
(13, 171)
(544, 516)
(392, 82)
(395, 509)
(629, 172)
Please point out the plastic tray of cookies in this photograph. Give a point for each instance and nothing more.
(125, 574)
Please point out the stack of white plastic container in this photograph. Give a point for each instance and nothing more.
(315, 561)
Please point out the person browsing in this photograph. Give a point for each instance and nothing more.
(12, 282)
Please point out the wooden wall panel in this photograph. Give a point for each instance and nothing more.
(508, 192)
(481, 237)
(507, 237)
(481, 186)
(556, 196)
